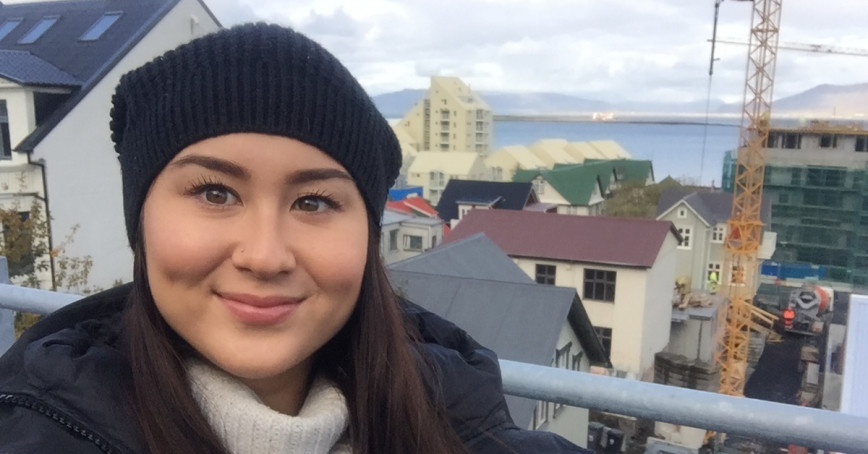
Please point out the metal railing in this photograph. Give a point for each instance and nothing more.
(770, 421)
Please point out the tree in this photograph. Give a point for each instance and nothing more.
(636, 200)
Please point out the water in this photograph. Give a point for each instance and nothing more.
(674, 149)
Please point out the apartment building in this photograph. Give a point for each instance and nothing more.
(433, 170)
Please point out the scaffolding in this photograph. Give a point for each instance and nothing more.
(820, 215)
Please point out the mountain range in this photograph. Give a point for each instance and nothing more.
(820, 101)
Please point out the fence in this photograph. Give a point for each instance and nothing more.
(739, 416)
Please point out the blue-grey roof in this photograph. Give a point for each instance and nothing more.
(512, 196)
(60, 47)
(475, 285)
(474, 257)
(712, 207)
(24, 68)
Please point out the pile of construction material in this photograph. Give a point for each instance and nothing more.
(678, 370)
(691, 299)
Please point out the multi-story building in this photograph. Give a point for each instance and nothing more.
(622, 269)
(817, 180)
(451, 117)
(433, 170)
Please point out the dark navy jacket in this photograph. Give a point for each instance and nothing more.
(65, 386)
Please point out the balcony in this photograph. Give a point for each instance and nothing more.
(801, 426)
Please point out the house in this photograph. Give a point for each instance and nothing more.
(59, 65)
(451, 117)
(434, 169)
(700, 218)
(406, 235)
(475, 285)
(623, 270)
(461, 196)
(503, 163)
(582, 189)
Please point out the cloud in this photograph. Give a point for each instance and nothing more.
(642, 50)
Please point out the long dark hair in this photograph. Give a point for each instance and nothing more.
(374, 360)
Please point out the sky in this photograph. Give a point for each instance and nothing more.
(611, 50)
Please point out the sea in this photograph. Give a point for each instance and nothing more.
(675, 148)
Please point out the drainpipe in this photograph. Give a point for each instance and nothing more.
(41, 165)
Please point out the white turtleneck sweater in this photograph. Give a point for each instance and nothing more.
(248, 426)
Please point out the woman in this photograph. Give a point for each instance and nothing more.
(260, 319)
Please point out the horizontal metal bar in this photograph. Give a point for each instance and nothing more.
(33, 300)
(789, 424)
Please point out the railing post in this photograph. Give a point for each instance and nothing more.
(7, 316)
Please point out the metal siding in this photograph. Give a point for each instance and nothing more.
(854, 396)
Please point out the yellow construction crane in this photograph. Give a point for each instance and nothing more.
(745, 226)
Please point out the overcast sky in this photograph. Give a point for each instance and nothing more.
(640, 50)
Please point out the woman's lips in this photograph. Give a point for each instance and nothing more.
(256, 310)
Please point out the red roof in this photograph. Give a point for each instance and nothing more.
(588, 239)
(413, 205)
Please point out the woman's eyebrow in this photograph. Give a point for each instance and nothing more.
(218, 165)
(311, 175)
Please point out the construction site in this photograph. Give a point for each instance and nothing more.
(774, 330)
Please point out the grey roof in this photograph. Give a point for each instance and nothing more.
(393, 217)
(475, 285)
(86, 62)
(712, 207)
(474, 257)
(24, 68)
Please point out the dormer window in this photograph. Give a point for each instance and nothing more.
(8, 26)
(97, 29)
(38, 30)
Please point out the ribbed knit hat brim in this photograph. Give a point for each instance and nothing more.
(251, 78)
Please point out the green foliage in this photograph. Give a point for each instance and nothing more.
(636, 200)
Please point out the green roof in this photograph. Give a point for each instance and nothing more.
(575, 182)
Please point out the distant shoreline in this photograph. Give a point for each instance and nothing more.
(573, 119)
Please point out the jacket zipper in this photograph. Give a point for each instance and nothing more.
(44, 409)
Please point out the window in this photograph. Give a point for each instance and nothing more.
(718, 234)
(437, 179)
(828, 141)
(682, 213)
(479, 137)
(101, 25)
(5, 141)
(541, 414)
(577, 361)
(685, 233)
(539, 185)
(545, 274)
(792, 141)
(41, 27)
(434, 241)
(605, 335)
(8, 26)
(600, 285)
(479, 114)
(496, 172)
(463, 210)
(412, 243)
(861, 142)
(393, 240)
(444, 115)
(479, 126)
(796, 179)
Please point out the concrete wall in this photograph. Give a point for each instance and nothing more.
(634, 340)
(693, 339)
(569, 422)
(84, 181)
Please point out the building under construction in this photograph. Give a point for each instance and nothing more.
(816, 177)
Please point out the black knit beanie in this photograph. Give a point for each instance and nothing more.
(250, 78)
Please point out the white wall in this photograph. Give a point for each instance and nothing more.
(569, 422)
(424, 231)
(625, 315)
(657, 314)
(84, 180)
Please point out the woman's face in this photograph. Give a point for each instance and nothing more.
(255, 249)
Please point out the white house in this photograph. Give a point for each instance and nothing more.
(700, 218)
(59, 65)
(475, 285)
(623, 270)
(405, 235)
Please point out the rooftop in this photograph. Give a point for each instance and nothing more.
(507, 196)
(587, 239)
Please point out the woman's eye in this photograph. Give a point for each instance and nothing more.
(311, 204)
(218, 196)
